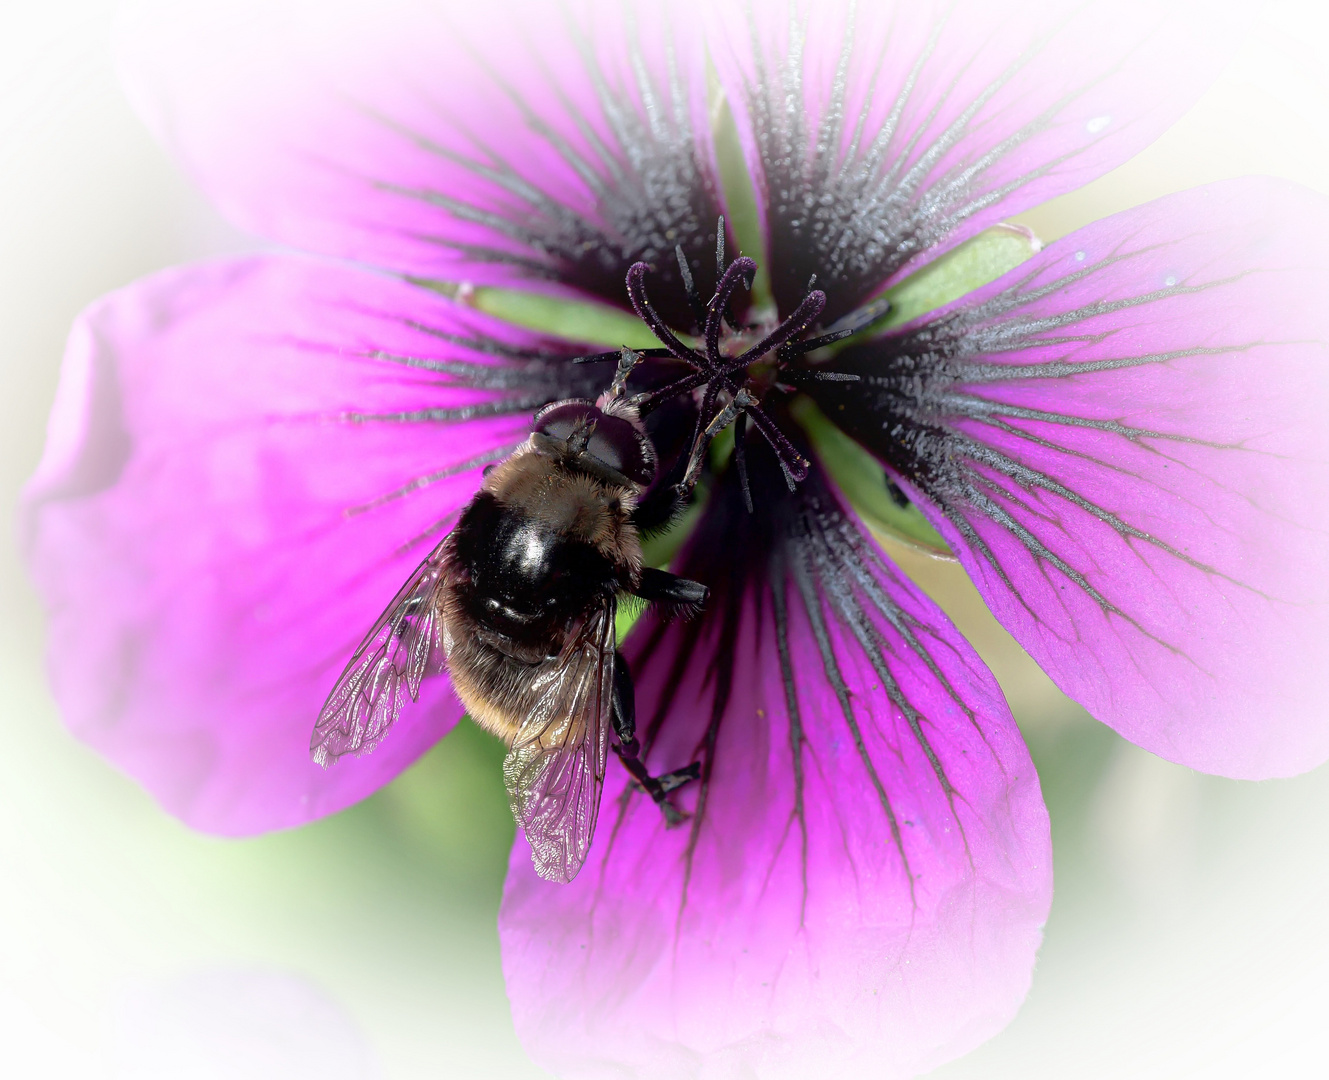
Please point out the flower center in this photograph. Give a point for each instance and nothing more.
(733, 366)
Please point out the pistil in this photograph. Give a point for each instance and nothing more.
(734, 366)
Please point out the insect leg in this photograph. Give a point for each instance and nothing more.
(662, 587)
(627, 361)
(722, 420)
(628, 749)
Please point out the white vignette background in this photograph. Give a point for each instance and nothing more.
(1190, 931)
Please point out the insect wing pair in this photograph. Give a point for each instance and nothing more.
(555, 768)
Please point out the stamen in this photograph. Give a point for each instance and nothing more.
(861, 318)
(804, 315)
(790, 481)
(793, 463)
(794, 349)
(741, 458)
(798, 376)
(727, 311)
(694, 300)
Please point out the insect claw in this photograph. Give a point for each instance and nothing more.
(673, 780)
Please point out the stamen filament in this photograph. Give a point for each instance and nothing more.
(790, 459)
(694, 299)
(804, 315)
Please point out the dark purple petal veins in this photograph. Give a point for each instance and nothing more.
(865, 871)
(647, 186)
(882, 132)
(277, 439)
(802, 550)
(500, 144)
(1124, 439)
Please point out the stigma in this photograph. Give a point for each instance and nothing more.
(731, 368)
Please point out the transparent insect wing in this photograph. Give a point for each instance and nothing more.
(556, 767)
(402, 647)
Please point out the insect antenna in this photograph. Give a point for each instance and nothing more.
(726, 416)
(615, 354)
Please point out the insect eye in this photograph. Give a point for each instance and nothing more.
(559, 420)
(613, 441)
(616, 443)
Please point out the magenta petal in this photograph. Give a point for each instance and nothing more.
(495, 142)
(218, 519)
(1140, 430)
(882, 129)
(853, 896)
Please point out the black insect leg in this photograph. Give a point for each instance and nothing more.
(722, 420)
(670, 590)
(628, 749)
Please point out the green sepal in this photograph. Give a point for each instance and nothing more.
(580, 321)
(863, 481)
(740, 195)
(974, 263)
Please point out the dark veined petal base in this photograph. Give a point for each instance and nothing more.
(861, 886)
(1125, 441)
(245, 461)
(883, 132)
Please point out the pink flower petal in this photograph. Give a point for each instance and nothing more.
(214, 530)
(882, 129)
(862, 886)
(1130, 451)
(497, 142)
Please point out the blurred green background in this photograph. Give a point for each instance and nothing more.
(1188, 935)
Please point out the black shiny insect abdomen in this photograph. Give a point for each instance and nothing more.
(523, 579)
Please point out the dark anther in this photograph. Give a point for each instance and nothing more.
(897, 496)
(694, 300)
(798, 376)
(595, 358)
(741, 458)
(719, 270)
(861, 318)
(799, 348)
(719, 249)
